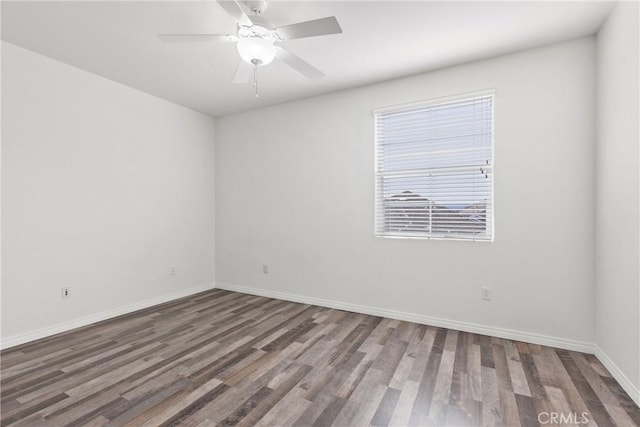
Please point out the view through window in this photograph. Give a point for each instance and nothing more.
(434, 169)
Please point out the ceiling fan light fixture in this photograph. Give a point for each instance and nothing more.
(256, 50)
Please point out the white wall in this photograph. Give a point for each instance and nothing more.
(295, 190)
(618, 194)
(103, 188)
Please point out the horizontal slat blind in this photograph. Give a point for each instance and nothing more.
(434, 170)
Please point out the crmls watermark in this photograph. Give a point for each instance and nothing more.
(563, 418)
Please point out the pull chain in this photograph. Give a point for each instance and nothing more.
(255, 79)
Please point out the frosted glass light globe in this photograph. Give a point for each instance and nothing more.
(256, 50)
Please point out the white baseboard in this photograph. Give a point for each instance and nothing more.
(528, 337)
(624, 381)
(98, 317)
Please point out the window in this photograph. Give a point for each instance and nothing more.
(434, 169)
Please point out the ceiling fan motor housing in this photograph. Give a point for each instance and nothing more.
(257, 7)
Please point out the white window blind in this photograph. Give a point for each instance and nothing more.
(434, 170)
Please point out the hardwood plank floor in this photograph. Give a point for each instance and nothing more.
(222, 358)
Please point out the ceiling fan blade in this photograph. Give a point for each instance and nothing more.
(194, 37)
(317, 27)
(233, 8)
(243, 73)
(299, 64)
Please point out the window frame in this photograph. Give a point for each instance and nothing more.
(468, 96)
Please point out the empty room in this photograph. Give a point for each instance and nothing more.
(320, 213)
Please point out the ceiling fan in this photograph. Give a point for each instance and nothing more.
(258, 42)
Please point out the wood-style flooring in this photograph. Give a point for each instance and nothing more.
(224, 358)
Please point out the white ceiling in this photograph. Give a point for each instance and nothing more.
(381, 40)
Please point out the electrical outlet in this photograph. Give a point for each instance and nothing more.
(65, 292)
(487, 294)
(172, 270)
(265, 269)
